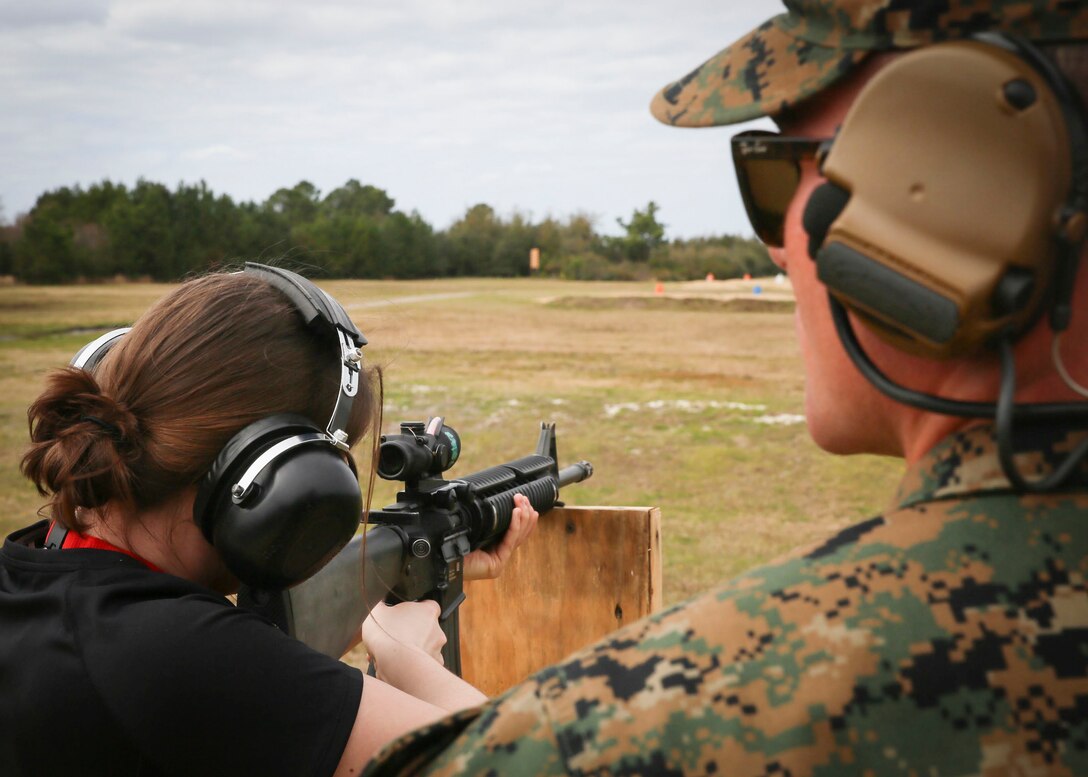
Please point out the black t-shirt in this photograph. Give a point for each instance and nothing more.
(110, 668)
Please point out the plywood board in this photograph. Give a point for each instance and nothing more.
(585, 572)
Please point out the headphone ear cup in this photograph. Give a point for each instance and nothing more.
(304, 505)
(959, 163)
(824, 205)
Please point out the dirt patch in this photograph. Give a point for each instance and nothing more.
(716, 380)
(693, 304)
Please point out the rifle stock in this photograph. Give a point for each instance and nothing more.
(327, 610)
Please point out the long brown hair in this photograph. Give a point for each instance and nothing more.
(211, 357)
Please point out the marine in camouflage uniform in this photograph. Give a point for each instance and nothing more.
(948, 636)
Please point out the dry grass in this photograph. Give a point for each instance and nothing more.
(658, 391)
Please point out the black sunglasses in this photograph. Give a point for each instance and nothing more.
(768, 172)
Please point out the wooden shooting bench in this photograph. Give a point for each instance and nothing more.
(585, 571)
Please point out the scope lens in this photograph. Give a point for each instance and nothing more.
(392, 460)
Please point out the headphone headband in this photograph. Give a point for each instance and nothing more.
(88, 356)
(316, 306)
(322, 312)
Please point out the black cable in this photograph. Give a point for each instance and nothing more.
(887, 386)
(1003, 417)
(1042, 411)
(1005, 447)
(1004, 412)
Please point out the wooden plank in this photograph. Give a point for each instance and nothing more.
(585, 572)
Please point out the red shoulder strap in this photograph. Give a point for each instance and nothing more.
(69, 539)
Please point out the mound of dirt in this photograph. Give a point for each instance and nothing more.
(693, 304)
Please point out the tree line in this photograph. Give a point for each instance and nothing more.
(109, 230)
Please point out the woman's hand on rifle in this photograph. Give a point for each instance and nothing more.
(488, 563)
(390, 633)
(411, 688)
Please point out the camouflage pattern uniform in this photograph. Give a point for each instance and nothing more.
(948, 636)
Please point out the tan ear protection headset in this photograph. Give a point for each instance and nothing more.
(951, 195)
(282, 497)
(955, 208)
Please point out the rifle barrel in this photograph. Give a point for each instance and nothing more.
(575, 473)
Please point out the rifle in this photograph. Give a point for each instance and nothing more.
(417, 546)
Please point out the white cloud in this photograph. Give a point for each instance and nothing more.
(219, 150)
(536, 105)
(54, 13)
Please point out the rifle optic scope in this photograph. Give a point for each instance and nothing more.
(419, 451)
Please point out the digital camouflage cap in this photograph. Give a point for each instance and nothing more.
(812, 45)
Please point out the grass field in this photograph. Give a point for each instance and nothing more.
(689, 400)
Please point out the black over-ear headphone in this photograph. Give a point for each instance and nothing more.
(954, 213)
(282, 497)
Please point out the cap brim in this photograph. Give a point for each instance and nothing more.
(759, 75)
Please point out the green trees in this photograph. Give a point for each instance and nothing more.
(151, 231)
(355, 232)
(141, 234)
(45, 252)
(7, 239)
(355, 200)
(469, 243)
(297, 205)
(643, 252)
(727, 256)
(644, 233)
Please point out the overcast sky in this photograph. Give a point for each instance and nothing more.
(522, 104)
